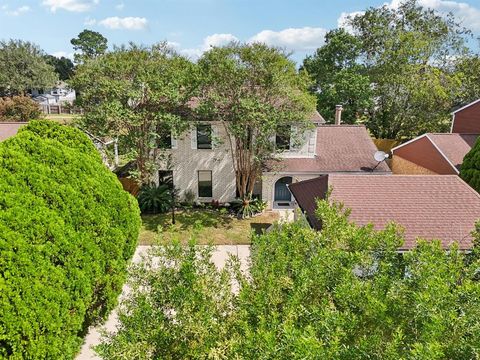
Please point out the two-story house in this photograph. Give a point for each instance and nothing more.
(201, 161)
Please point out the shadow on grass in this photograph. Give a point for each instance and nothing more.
(259, 228)
(187, 220)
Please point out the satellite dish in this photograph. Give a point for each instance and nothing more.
(380, 156)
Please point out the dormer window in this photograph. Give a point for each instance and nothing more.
(283, 137)
(204, 136)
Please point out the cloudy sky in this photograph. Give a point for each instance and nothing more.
(194, 25)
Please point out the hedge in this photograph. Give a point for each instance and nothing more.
(67, 231)
(470, 169)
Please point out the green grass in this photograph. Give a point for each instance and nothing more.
(209, 226)
(62, 118)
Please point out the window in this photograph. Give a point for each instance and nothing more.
(204, 137)
(165, 177)
(204, 183)
(282, 139)
(165, 142)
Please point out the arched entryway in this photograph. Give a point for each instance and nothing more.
(282, 194)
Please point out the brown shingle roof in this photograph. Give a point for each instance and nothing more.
(427, 206)
(454, 146)
(339, 148)
(9, 129)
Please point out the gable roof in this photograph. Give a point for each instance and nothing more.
(451, 146)
(427, 206)
(9, 129)
(339, 148)
(466, 106)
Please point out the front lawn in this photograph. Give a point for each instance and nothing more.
(209, 225)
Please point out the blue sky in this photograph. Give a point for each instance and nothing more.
(193, 25)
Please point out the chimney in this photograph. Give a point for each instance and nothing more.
(338, 114)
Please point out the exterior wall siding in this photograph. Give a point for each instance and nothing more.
(424, 154)
(401, 166)
(467, 121)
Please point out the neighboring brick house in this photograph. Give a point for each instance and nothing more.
(431, 154)
(466, 120)
(426, 206)
(203, 166)
(9, 129)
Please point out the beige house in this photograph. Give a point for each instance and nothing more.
(201, 161)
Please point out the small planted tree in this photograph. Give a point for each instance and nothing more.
(139, 95)
(256, 92)
(470, 169)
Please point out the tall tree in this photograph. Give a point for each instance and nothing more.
(468, 69)
(255, 91)
(63, 66)
(89, 44)
(23, 67)
(407, 51)
(340, 78)
(138, 95)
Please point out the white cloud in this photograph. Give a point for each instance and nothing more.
(468, 15)
(208, 42)
(295, 39)
(120, 6)
(342, 21)
(128, 23)
(16, 12)
(70, 5)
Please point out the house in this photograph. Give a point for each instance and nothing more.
(431, 154)
(204, 168)
(426, 206)
(9, 129)
(61, 94)
(466, 120)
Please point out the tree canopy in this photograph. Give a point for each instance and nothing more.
(67, 231)
(63, 66)
(342, 293)
(88, 45)
(255, 91)
(139, 95)
(394, 70)
(23, 67)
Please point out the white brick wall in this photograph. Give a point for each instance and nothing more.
(186, 162)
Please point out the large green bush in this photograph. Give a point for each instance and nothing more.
(470, 169)
(67, 231)
(343, 293)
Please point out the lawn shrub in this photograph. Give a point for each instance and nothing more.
(19, 108)
(155, 199)
(470, 169)
(67, 230)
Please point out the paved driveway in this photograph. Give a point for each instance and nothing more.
(219, 258)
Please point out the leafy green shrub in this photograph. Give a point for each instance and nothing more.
(189, 197)
(248, 208)
(67, 231)
(470, 169)
(342, 293)
(19, 108)
(155, 199)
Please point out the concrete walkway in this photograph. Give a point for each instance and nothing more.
(219, 257)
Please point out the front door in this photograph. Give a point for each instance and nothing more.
(281, 190)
